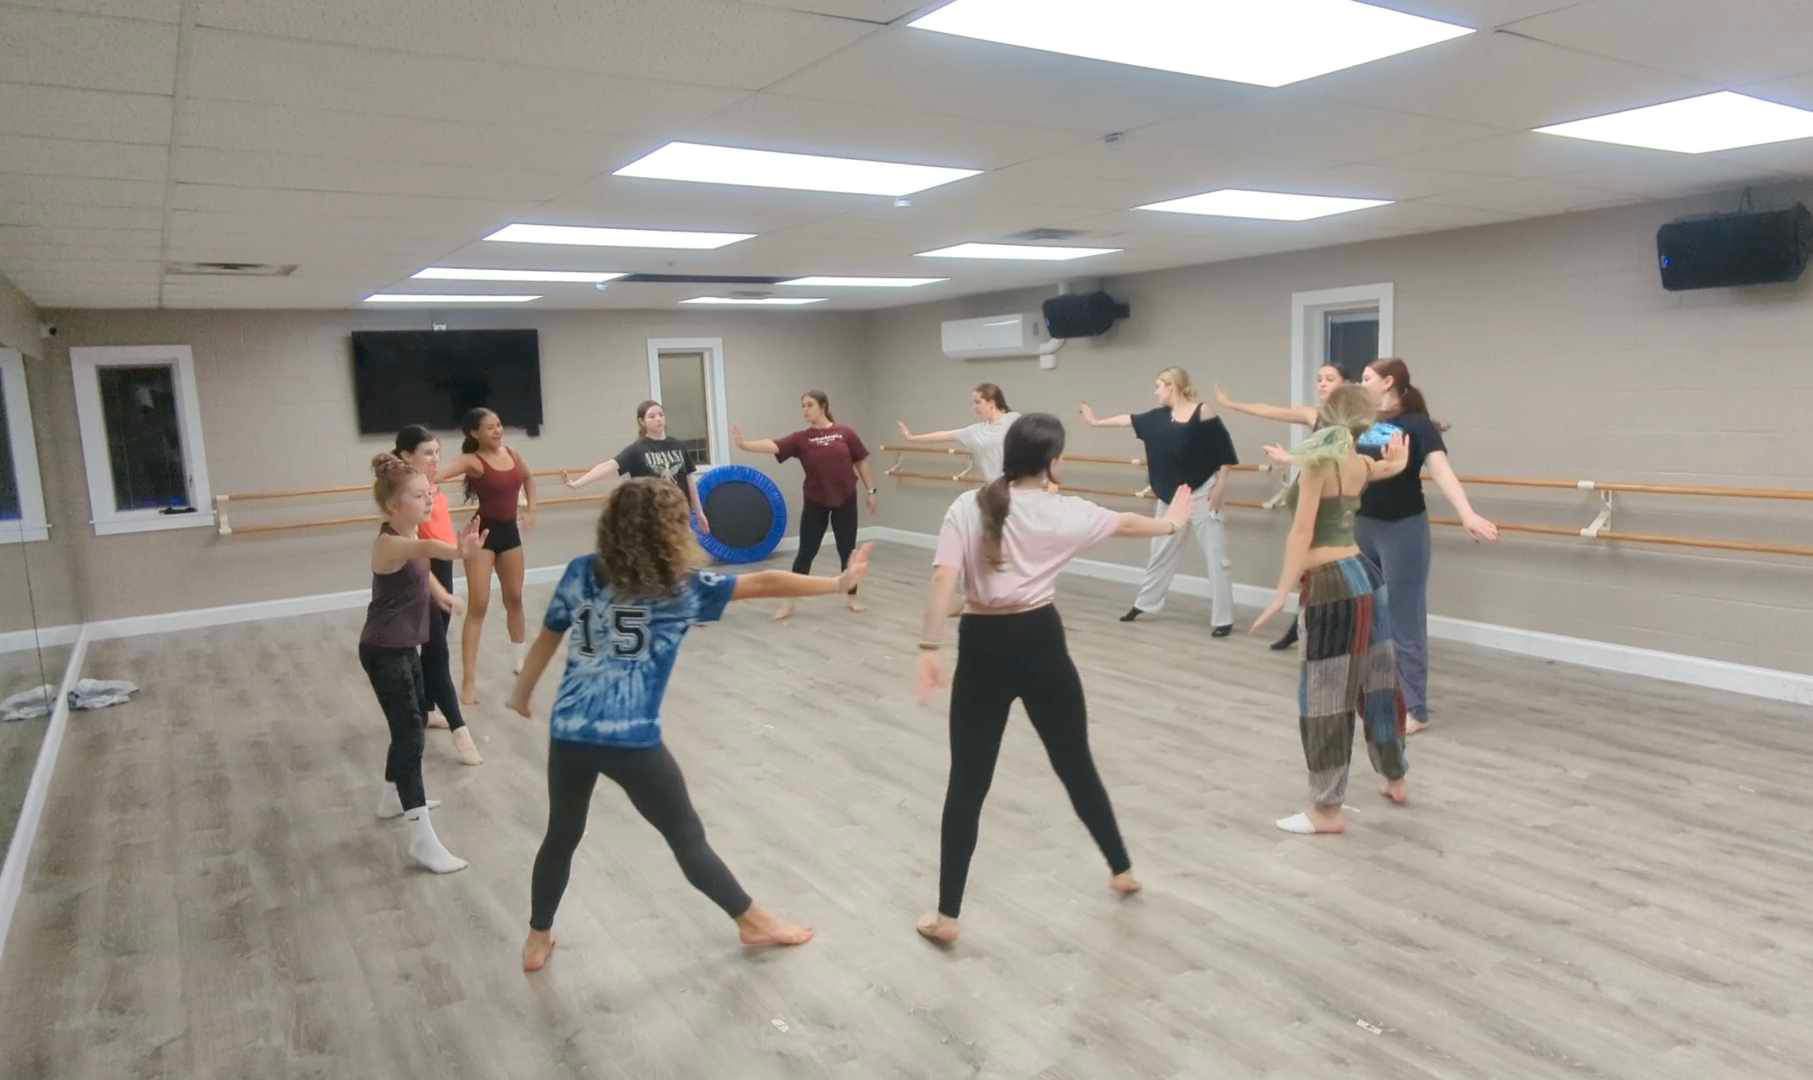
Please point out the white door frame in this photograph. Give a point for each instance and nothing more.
(717, 427)
(1308, 336)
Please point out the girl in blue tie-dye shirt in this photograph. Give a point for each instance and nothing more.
(627, 607)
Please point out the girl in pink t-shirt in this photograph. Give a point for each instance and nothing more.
(1009, 541)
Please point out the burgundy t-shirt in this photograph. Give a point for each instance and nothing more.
(828, 455)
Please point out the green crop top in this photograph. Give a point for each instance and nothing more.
(1334, 518)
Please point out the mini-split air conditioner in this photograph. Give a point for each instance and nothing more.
(994, 336)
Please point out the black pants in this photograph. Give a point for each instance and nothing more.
(396, 676)
(437, 664)
(1001, 658)
(652, 780)
(812, 519)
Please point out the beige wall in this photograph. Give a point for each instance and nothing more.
(277, 412)
(18, 319)
(1550, 347)
(36, 579)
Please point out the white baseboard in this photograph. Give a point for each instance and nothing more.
(45, 637)
(1772, 683)
(18, 852)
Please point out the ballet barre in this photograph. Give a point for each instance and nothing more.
(1078, 459)
(1144, 495)
(224, 526)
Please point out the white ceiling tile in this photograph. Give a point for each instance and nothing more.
(899, 131)
(1734, 41)
(1498, 79)
(1792, 158)
(58, 49)
(244, 67)
(78, 191)
(1534, 197)
(84, 217)
(716, 42)
(667, 204)
(169, 11)
(63, 113)
(1654, 173)
(82, 158)
(1797, 91)
(365, 136)
(111, 248)
(1479, 14)
(879, 11)
(332, 205)
(963, 77)
(267, 170)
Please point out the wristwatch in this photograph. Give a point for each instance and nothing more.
(874, 491)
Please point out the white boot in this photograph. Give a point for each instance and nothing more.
(425, 847)
(390, 804)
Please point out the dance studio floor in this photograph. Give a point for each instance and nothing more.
(1597, 876)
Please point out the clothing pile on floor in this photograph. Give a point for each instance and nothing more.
(88, 694)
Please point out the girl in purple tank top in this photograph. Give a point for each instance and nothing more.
(396, 625)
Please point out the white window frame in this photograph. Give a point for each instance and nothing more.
(86, 364)
(1309, 337)
(717, 426)
(32, 525)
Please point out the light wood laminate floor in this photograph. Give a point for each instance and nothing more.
(1598, 876)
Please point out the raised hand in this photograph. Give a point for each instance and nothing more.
(904, 433)
(1398, 449)
(1178, 513)
(858, 568)
(1278, 455)
(1221, 396)
(1087, 413)
(472, 539)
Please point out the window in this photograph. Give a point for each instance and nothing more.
(21, 492)
(686, 375)
(141, 438)
(1351, 341)
(1348, 327)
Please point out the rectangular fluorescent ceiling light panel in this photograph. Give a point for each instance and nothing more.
(864, 282)
(1269, 205)
(801, 172)
(1696, 125)
(430, 298)
(758, 301)
(1015, 251)
(587, 236)
(1263, 42)
(461, 273)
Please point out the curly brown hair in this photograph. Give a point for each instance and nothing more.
(390, 475)
(645, 541)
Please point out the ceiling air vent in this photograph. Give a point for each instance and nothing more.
(229, 269)
(698, 279)
(1046, 235)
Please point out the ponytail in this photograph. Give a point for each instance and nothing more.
(824, 403)
(1033, 442)
(469, 424)
(993, 500)
(1410, 399)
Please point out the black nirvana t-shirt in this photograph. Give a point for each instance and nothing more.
(665, 458)
(1186, 453)
(1402, 495)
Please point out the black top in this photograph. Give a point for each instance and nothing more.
(397, 617)
(1402, 495)
(1187, 453)
(665, 458)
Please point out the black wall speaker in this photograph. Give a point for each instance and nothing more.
(1734, 249)
(1083, 316)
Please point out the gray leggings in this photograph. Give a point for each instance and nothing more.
(1401, 550)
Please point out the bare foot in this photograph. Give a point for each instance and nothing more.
(857, 605)
(784, 612)
(1395, 790)
(436, 720)
(1412, 725)
(938, 929)
(537, 949)
(466, 748)
(468, 695)
(1124, 883)
(758, 926)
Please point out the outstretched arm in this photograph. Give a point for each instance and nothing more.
(1283, 414)
(540, 654)
(753, 446)
(1478, 527)
(1089, 417)
(604, 470)
(1175, 517)
(764, 584)
(459, 466)
(698, 504)
(929, 436)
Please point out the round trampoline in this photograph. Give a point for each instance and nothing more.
(748, 514)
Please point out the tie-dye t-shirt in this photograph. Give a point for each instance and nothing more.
(620, 654)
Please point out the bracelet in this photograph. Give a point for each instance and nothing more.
(930, 646)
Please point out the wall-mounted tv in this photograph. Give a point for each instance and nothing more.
(433, 376)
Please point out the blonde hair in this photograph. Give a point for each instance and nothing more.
(1179, 380)
(646, 545)
(1348, 406)
(390, 475)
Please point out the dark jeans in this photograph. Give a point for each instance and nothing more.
(812, 521)
(1001, 658)
(652, 780)
(437, 664)
(396, 675)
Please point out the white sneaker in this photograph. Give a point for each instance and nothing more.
(390, 804)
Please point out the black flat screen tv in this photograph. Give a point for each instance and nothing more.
(433, 377)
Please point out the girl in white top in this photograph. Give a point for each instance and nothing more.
(1010, 540)
(983, 438)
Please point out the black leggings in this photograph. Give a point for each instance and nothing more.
(652, 780)
(396, 676)
(812, 519)
(437, 665)
(1001, 658)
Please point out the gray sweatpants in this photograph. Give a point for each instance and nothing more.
(1401, 550)
(1167, 551)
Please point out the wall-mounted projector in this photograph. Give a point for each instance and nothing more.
(994, 336)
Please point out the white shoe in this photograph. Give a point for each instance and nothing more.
(426, 848)
(390, 804)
